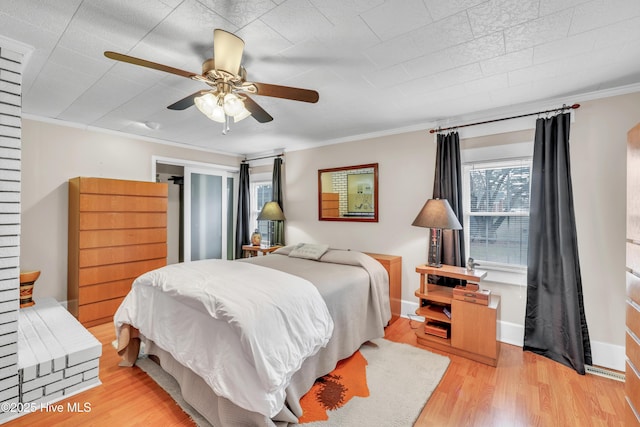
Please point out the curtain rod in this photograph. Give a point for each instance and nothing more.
(564, 107)
(265, 157)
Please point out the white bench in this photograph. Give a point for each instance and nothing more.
(57, 356)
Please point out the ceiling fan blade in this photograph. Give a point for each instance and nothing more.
(286, 92)
(144, 63)
(186, 102)
(227, 51)
(256, 111)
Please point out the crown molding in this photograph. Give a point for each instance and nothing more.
(371, 135)
(127, 135)
(542, 104)
(492, 114)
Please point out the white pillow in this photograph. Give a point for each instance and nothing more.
(308, 251)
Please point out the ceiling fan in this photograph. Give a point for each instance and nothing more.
(228, 97)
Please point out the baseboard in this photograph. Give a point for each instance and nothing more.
(511, 333)
(603, 354)
(608, 355)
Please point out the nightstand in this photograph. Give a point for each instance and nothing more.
(393, 265)
(462, 322)
(251, 250)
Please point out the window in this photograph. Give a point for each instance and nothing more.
(496, 204)
(260, 194)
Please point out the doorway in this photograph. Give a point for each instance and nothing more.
(201, 209)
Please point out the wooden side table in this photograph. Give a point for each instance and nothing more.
(474, 276)
(461, 327)
(251, 250)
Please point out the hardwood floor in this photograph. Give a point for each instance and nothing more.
(127, 397)
(523, 390)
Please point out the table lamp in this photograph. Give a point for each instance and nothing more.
(271, 212)
(437, 215)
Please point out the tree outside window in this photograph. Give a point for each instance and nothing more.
(497, 212)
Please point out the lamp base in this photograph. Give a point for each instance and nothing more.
(434, 248)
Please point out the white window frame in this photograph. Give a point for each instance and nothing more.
(254, 181)
(494, 156)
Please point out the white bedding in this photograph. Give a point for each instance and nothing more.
(255, 325)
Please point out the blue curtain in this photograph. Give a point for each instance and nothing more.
(243, 228)
(555, 323)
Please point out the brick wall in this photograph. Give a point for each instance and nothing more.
(10, 124)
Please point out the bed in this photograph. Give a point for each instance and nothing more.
(246, 354)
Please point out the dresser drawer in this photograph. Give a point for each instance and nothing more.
(114, 255)
(110, 273)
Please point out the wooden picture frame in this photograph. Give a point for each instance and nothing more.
(348, 193)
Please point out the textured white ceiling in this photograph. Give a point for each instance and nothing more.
(378, 65)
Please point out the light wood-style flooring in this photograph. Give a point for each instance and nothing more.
(524, 390)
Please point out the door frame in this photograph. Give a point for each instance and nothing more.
(188, 225)
(191, 163)
(212, 167)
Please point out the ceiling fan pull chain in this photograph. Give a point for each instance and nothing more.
(226, 128)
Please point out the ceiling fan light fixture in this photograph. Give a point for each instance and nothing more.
(209, 105)
(232, 104)
(218, 115)
(241, 115)
(206, 103)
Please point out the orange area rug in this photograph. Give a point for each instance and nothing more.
(334, 390)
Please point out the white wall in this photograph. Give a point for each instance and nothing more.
(405, 169)
(406, 161)
(51, 155)
(599, 174)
